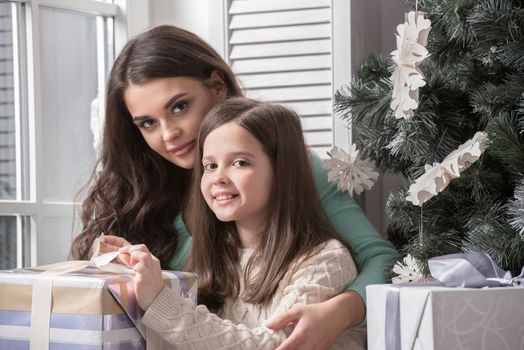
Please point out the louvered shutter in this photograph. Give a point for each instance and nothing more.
(281, 52)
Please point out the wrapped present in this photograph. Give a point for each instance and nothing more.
(78, 305)
(457, 311)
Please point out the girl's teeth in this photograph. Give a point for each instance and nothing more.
(224, 197)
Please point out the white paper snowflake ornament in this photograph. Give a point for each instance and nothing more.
(349, 171)
(407, 271)
(437, 177)
(407, 78)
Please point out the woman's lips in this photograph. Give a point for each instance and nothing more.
(183, 149)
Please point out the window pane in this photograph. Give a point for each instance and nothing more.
(69, 90)
(55, 238)
(8, 242)
(7, 113)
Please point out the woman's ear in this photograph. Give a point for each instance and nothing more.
(217, 85)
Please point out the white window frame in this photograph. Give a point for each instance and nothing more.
(130, 17)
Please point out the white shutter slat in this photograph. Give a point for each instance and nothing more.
(301, 93)
(322, 123)
(275, 5)
(260, 20)
(309, 108)
(6, 81)
(261, 35)
(6, 109)
(251, 81)
(282, 64)
(6, 51)
(321, 46)
(318, 138)
(6, 38)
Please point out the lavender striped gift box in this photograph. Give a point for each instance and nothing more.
(90, 309)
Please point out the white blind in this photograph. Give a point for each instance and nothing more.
(7, 125)
(281, 52)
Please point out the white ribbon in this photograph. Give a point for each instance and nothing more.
(42, 296)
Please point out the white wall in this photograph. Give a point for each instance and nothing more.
(192, 15)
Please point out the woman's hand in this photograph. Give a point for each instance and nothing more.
(111, 243)
(148, 278)
(317, 326)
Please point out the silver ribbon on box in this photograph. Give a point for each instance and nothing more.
(467, 270)
(471, 270)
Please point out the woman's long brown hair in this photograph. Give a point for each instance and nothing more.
(136, 194)
(297, 225)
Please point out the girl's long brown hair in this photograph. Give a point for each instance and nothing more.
(297, 225)
(137, 193)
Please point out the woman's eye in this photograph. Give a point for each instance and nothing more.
(240, 163)
(210, 166)
(146, 123)
(179, 107)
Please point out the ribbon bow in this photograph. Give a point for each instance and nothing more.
(471, 270)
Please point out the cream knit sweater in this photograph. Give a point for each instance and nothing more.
(240, 325)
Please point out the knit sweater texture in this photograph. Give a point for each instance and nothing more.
(239, 324)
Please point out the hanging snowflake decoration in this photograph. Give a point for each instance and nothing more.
(437, 177)
(407, 271)
(349, 171)
(407, 78)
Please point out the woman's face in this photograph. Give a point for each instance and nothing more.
(169, 111)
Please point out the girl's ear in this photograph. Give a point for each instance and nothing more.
(217, 85)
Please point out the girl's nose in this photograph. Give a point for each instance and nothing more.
(221, 179)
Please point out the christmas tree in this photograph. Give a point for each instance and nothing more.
(474, 82)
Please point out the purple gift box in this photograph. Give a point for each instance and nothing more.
(91, 309)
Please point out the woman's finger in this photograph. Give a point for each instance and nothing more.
(282, 320)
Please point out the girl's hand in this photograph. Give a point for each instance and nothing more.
(148, 279)
(317, 326)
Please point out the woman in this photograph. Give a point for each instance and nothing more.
(160, 88)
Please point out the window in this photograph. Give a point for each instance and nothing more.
(54, 58)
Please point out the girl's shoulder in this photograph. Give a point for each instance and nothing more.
(331, 252)
(330, 264)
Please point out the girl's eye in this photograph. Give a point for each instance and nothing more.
(179, 107)
(240, 163)
(146, 123)
(210, 166)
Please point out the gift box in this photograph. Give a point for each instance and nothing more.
(421, 316)
(87, 309)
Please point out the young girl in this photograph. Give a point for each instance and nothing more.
(261, 241)
(161, 86)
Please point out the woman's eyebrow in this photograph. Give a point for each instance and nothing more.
(174, 99)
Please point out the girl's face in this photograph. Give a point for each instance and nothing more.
(237, 178)
(169, 112)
